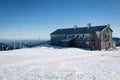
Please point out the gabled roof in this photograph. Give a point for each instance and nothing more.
(80, 30)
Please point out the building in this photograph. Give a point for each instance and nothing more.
(90, 37)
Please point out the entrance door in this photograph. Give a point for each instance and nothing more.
(109, 45)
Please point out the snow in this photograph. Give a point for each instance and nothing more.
(56, 63)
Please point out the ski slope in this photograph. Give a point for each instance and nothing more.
(56, 63)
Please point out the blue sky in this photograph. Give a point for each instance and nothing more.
(38, 18)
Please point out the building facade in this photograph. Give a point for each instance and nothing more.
(90, 37)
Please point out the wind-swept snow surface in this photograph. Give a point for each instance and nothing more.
(56, 63)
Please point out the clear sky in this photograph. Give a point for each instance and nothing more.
(38, 18)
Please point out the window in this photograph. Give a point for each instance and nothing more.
(88, 38)
(108, 36)
(79, 36)
(83, 36)
(105, 36)
(66, 36)
(109, 44)
(73, 36)
(94, 43)
(88, 44)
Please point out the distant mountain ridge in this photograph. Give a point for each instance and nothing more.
(17, 44)
(4, 46)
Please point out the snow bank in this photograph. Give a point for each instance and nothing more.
(56, 63)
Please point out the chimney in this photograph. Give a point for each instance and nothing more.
(75, 26)
(89, 25)
(108, 25)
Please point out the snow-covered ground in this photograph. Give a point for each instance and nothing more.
(56, 63)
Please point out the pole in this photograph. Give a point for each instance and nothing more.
(20, 39)
(14, 44)
(39, 40)
(2, 47)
